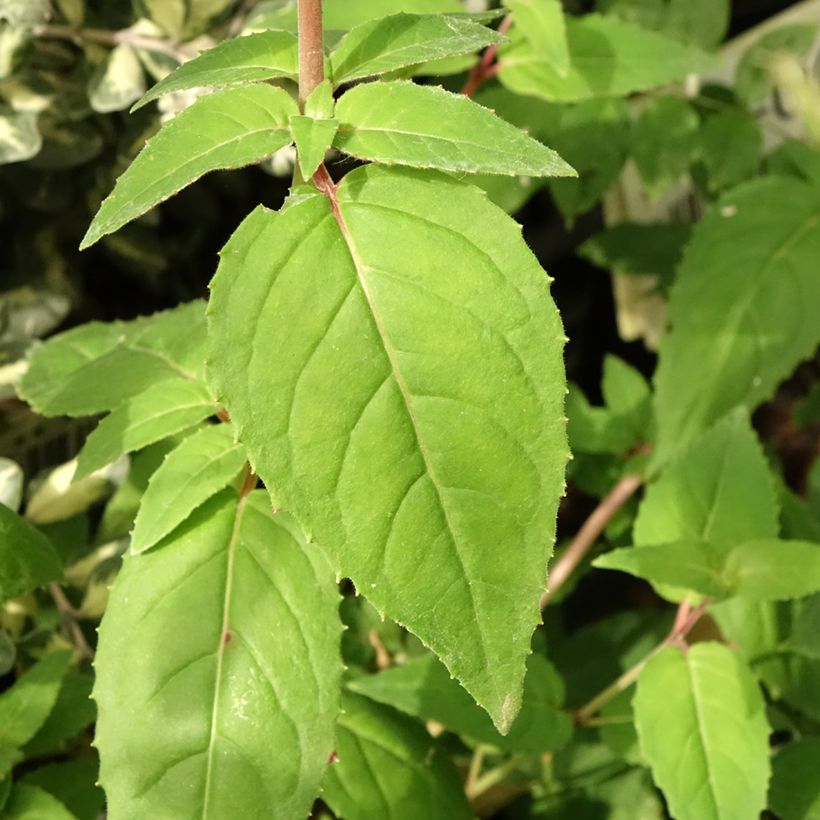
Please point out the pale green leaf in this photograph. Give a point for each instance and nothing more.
(233, 717)
(313, 138)
(717, 490)
(165, 408)
(96, 367)
(413, 422)
(400, 40)
(388, 767)
(19, 136)
(24, 12)
(794, 793)
(227, 129)
(26, 705)
(702, 728)
(608, 58)
(28, 802)
(27, 558)
(428, 127)
(423, 688)
(664, 141)
(248, 59)
(198, 468)
(742, 309)
(169, 14)
(700, 22)
(117, 82)
(542, 24)
(11, 484)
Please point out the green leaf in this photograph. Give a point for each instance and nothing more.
(742, 308)
(198, 468)
(117, 82)
(404, 425)
(700, 22)
(542, 24)
(234, 715)
(400, 40)
(313, 138)
(388, 767)
(73, 784)
(33, 803)
(794, 793)
(664, 142)
(73, 711)
(26, 705)
(249, 59)
(24, 12)
(730, 148)
(165, 408)
(423, 688)
(608, 58)
(227, 129)
(646, 249)
(320, 103)
(96, 367)
(20, 138)
(702, 727)
(27, 558)
(753, 76)
(428, 127)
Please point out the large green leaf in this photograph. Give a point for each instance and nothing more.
(702, 727)
(389, 768)
(542, 24)
(400, 40)
(233, 717)
(423, 688)
(198, 468)
(248, 59)
(608, 58)
(165, 408)
(742, 309)
(795, 791)
(26, 705)
(765, 570)
(227, 129)
(428, 127)
(96, 367)
(27, 558)
(413, 422)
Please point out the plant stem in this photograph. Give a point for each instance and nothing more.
(127, 37)
(589, 532)
(486, 67)
(686, 618)
(69, 615)
(493, 777)
(311, 48)
(474, 772)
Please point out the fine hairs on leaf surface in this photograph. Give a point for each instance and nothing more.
(392, 351)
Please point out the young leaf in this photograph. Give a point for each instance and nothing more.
(96, 367)
(28, 802)
(313, 138)
(26, 705)
(793, 794)
(227, 129)
(608, 58)
(27, 558)
(167, 407)
(200, 467)
(542, 23)
(742, 308)
(422, 688)
(389, 768)
(428, 127)
(249, 59)
(702, 727)
(236, 709)
(400, 40)
(414, 420)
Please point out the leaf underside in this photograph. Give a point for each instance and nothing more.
(412, 420)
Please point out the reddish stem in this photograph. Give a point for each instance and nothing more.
(311, 48)
(486, 66)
